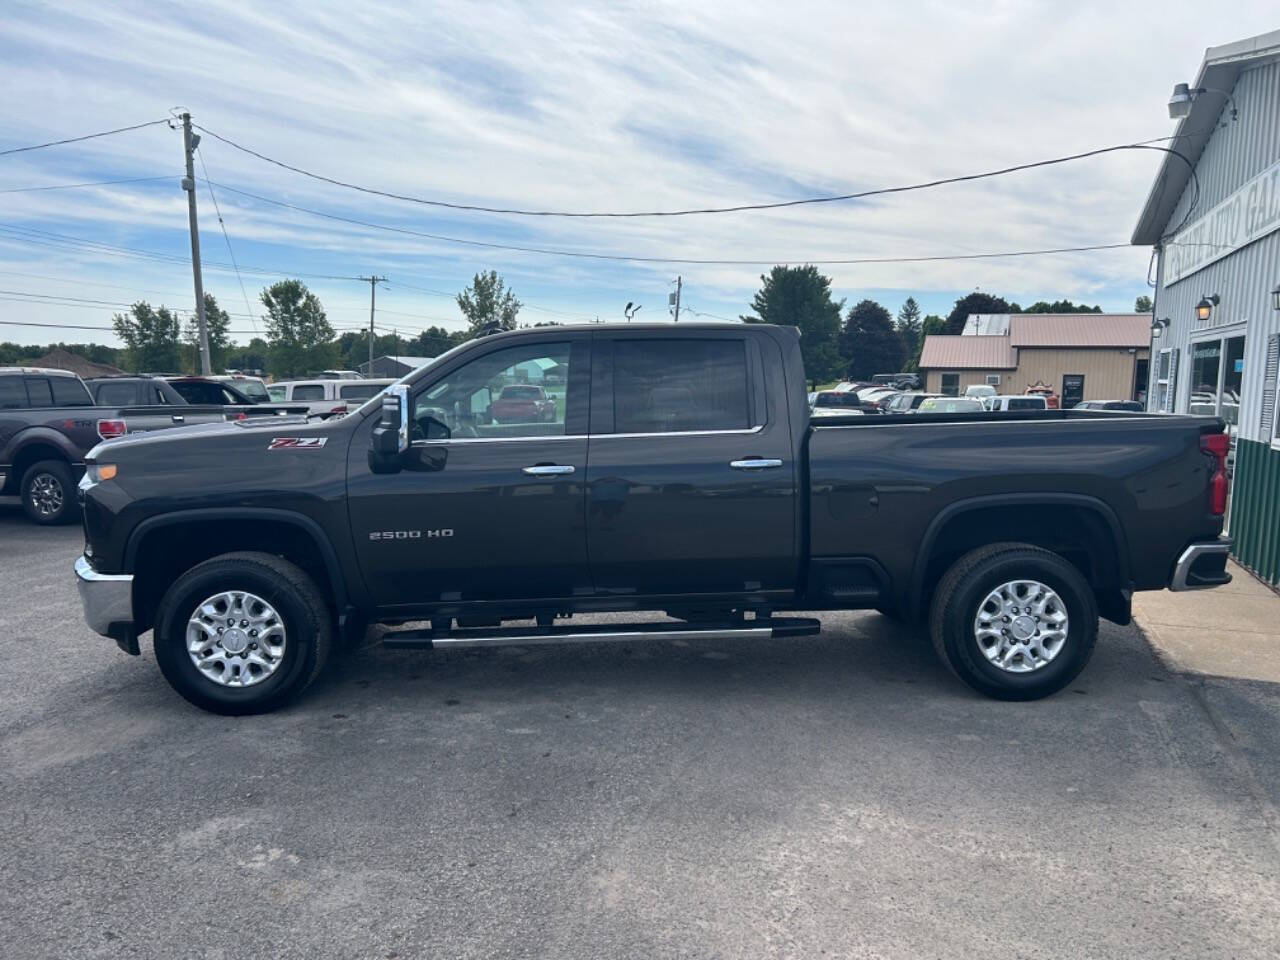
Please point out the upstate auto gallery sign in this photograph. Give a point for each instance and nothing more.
(1247, 215)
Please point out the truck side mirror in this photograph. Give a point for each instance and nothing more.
(390, 437)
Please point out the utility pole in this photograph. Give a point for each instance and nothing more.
(679, 284)
(189, 143)
(373, 282)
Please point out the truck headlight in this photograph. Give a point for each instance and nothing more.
(97, 472)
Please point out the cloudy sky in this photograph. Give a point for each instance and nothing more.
(582, 107)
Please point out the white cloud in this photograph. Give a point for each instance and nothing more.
(640, 106)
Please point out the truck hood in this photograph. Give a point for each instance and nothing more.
(211, 434)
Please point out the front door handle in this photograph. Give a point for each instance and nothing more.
(179, 418)
(755, 463)
(547, 470)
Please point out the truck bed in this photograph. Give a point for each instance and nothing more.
(893, 484)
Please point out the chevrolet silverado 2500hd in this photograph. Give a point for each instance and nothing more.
(680, 473)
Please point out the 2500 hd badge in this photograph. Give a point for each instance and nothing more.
(410, 534)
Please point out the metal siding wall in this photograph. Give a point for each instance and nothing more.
(1244, 279)
(1233, 155)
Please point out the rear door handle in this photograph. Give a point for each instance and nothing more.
(179, 418)
(547, 470)
(755, 463)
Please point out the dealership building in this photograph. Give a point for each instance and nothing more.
(1214, 227)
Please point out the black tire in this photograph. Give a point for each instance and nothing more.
(302, 609)
(967, 584)
(49, 493)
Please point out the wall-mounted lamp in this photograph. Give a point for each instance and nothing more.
(1183, 96)
(1204, 309)
(1275, 297)
(1159, 326)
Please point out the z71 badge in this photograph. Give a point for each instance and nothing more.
(296, 443)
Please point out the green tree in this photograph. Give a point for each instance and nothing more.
(869, 342)
(801, 297)
(1143, 305)
(976, 302)
(252, 357)
(299, 335)
(1061, 306)
(932, 325)
(486, 302)
(434, 341)
(909, 326)
(218, 323)
(153, 337)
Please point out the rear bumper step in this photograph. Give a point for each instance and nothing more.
(773, 628)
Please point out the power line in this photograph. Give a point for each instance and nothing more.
(230, 252)
(736, 208)
(87, 136)
(94, 183)
(550, 251)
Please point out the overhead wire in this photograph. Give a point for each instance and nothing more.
(87, 136)
(697, 211)
(230, 252)
(581, 254)
(93, 183)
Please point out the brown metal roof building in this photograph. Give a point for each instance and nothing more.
(1083, 356)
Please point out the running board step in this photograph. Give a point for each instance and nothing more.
(773, 628)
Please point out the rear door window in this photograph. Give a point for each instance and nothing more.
(308, 391)
(1026, 403)
(117, 394)
(679, 385)
(39, 392)
(359, 391)
(70, 392)
(12, 393)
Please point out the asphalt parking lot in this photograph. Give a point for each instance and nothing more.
(838, 796)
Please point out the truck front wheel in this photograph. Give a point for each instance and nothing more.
(49, 493)
(242, 633)
(1014, 621)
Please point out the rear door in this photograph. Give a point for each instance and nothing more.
(691, 484)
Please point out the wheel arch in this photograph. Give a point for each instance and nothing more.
(1095, 536)
(178, 541)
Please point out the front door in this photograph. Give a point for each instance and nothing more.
(690, 477)
(489, 505)
(1072, 389)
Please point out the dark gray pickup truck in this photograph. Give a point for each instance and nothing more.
(679, 472)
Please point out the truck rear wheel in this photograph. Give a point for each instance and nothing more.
(242, 633)
(49, 493)
(1014, 621)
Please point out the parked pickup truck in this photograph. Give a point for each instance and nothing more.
(153, 400)
(48, 420)
(682, 474)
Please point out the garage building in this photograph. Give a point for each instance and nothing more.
(1213, 227)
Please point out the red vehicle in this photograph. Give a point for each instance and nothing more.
(523, 403)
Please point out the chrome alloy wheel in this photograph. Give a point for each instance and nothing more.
(46, 494)
(1021, 626)
(236, 639)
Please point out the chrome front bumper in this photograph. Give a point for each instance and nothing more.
(1202, 565)
(107, 599)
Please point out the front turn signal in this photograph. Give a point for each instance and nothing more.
(101, 471)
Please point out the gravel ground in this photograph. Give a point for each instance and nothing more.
(840, 795)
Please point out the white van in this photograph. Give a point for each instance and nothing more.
(980, 391)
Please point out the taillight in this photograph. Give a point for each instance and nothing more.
(340, 408)
(110, 429)
(1217, 445)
